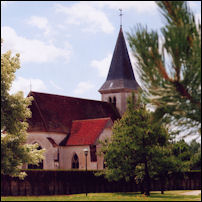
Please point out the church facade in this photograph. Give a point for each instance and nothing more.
(66, 126)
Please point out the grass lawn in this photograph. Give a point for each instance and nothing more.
(155, 196)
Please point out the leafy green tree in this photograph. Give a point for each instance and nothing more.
(195, 149)
(194, 146)
(188, 153)
(163, 164)
(181, 150)
(182, 154)
(196, 161)
(137, 146)
(14, 113)
(169, 65)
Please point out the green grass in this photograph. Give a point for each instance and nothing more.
(155, 196)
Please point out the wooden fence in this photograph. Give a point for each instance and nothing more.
(72, 182)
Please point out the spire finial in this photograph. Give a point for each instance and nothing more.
(120, 17)
(30, 85)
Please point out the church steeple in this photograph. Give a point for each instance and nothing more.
(120, 67)
(120, 75)
(120, 81)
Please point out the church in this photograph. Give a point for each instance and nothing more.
(67, 126)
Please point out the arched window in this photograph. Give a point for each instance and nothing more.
(110, 100)
(114, 101)
(75, 161)
(39, 166)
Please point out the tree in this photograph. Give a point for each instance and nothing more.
(194, 146)
(188, 153)
(169, 65)
(137, 146)
(196, 160)
(182, 150)
(195, 150)
(14, 113)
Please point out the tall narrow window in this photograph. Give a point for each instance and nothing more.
(75, 161)
(114, 101)
(110, 100)
(93, 155)
(39, 166)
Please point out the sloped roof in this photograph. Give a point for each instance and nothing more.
(54, 113)
(117, 85)
(52, 141)
(120, 73)
(86, 132)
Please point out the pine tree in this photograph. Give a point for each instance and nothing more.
(169, 64)
(14, 113)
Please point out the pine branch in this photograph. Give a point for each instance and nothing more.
(184, 92)
(175, 92)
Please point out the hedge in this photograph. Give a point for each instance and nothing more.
(55, 182)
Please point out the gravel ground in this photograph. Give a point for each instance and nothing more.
(194, 192)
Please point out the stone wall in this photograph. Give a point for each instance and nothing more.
(51, 154)
(67, 153)
(121, 99)
(64, 154)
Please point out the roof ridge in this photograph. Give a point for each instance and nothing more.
(92, 119)
(52, 94)
(58, 112)
(101, 132)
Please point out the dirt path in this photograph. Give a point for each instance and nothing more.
(194, 192)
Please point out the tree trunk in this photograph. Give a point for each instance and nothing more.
(142, 187)
(147, 180)
(162, 187)
(162, 184)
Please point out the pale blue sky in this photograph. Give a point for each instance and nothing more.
(66, 46)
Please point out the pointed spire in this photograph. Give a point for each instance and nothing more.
(120, 73)
(120, 67)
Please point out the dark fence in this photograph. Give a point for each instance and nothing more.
(72, 182)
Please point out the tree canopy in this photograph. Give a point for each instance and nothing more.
(14, 113)
(139, 147)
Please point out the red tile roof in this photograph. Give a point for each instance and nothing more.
(86, 132)
(55, 113)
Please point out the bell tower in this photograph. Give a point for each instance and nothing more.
(120, 81)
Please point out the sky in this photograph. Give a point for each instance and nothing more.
(66, 46)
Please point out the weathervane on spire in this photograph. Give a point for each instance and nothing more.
(120, 17)
(30, 85)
